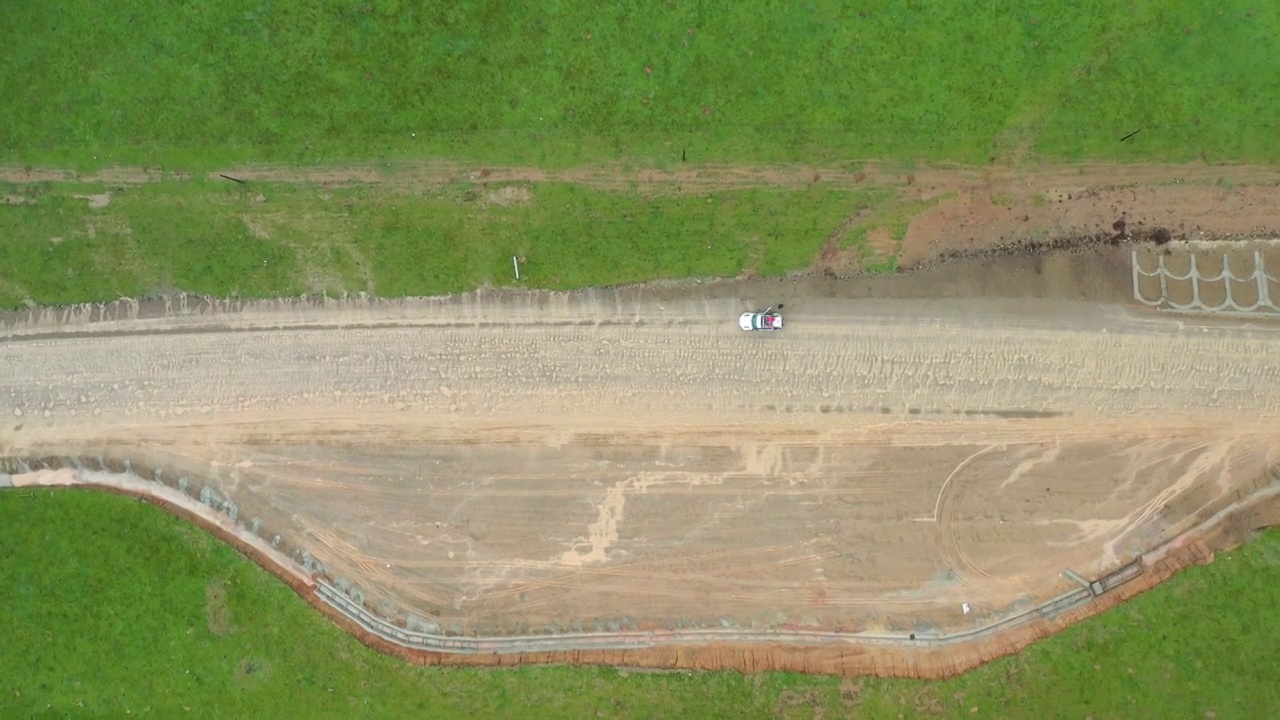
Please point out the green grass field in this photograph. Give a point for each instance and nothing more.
(269, 239)
(211, 82)
(114, 609)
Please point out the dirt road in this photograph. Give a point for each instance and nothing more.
(630, 459)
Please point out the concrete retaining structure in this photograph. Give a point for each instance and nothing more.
(635, 640)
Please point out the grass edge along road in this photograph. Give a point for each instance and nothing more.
(113, 607)
(69, 242)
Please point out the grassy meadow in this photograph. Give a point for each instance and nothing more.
(206, 83)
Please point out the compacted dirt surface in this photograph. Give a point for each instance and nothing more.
(538, 463)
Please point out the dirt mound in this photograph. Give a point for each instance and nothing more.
(1029, 215)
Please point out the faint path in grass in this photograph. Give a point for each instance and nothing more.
(1014, 145)
(929, 179)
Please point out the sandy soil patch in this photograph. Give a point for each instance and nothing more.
(96, 201)
(510, 195)
(880, 241)
(256, 227)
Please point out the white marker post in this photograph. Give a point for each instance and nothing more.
(516, 263)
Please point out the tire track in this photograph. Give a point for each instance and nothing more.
(946, 510)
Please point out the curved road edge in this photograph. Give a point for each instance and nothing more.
(921, 655)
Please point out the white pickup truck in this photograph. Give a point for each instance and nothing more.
(764, 320)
